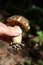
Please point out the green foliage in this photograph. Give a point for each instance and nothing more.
(36, 39)
(39, 37)
(40, 33)
(28, 61)
(40, 62)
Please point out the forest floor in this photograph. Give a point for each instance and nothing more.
(8, 56)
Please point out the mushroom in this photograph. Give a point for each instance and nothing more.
(19, 20)
(22, 22)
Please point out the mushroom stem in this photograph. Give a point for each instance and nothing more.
(17, 39)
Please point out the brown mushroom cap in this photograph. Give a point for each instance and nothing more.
(19, 20)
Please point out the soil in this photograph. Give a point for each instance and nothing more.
(9, 56)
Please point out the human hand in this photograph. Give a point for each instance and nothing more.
(6, 32)
(9, 30)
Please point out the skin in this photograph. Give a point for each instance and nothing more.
(10, 31)
(7, 32)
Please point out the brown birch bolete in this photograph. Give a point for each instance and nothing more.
(20, 21)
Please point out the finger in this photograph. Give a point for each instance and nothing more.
(2, 24)
(14, 31)
(8, 30)
(4, 30)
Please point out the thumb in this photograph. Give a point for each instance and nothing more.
(14, 31)
(10, 31)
